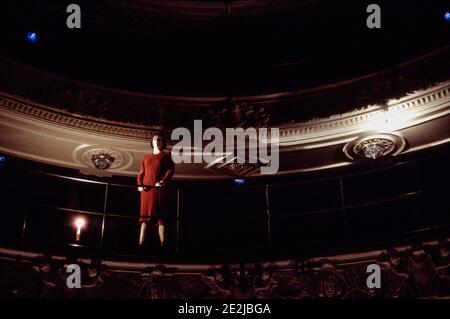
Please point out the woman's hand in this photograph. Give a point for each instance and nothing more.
(159, 184)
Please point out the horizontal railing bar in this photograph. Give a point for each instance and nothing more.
(67, 209)
(387, 200)
(307, 213)
(69, 177)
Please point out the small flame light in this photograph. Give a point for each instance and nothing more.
(79, 223)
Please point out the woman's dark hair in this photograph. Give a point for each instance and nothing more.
(163, 139)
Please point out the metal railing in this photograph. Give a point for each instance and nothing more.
(265, 188)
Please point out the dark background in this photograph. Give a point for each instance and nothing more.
(225, 55)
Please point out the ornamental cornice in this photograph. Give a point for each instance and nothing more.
(413, 109)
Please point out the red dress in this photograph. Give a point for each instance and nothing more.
(154, 168)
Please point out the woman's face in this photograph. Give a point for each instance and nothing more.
(157, 142)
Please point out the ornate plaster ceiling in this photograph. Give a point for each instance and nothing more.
(37, 132)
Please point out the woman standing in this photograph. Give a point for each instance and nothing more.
(156, 170)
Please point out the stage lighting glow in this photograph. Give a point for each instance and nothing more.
(390, 120)
(3, 159)
(239, 181)
(32, 37)
(447, 16)
(79, 222)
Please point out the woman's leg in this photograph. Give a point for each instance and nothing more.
(161, 232)
(142, 233)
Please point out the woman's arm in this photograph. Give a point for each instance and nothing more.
(170, 170)
(141, 174)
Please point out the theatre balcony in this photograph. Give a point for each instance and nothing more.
(362, 151)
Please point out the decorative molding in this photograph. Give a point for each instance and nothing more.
(233, 166)
(84, 153)
(374, 146)
(418, 271)
(414, 109)
(234, 113)
(55, 116)
(103, 160)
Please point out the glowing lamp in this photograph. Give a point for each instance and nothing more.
(79, 223)
(32, 37)
(447, 16)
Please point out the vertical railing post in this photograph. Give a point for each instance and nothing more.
(269, 235)
(418, 179)
(344, 211)
(24, 227)
(104, 215)
(178, 219)
(28, 208)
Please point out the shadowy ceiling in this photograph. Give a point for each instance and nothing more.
(196, 48)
